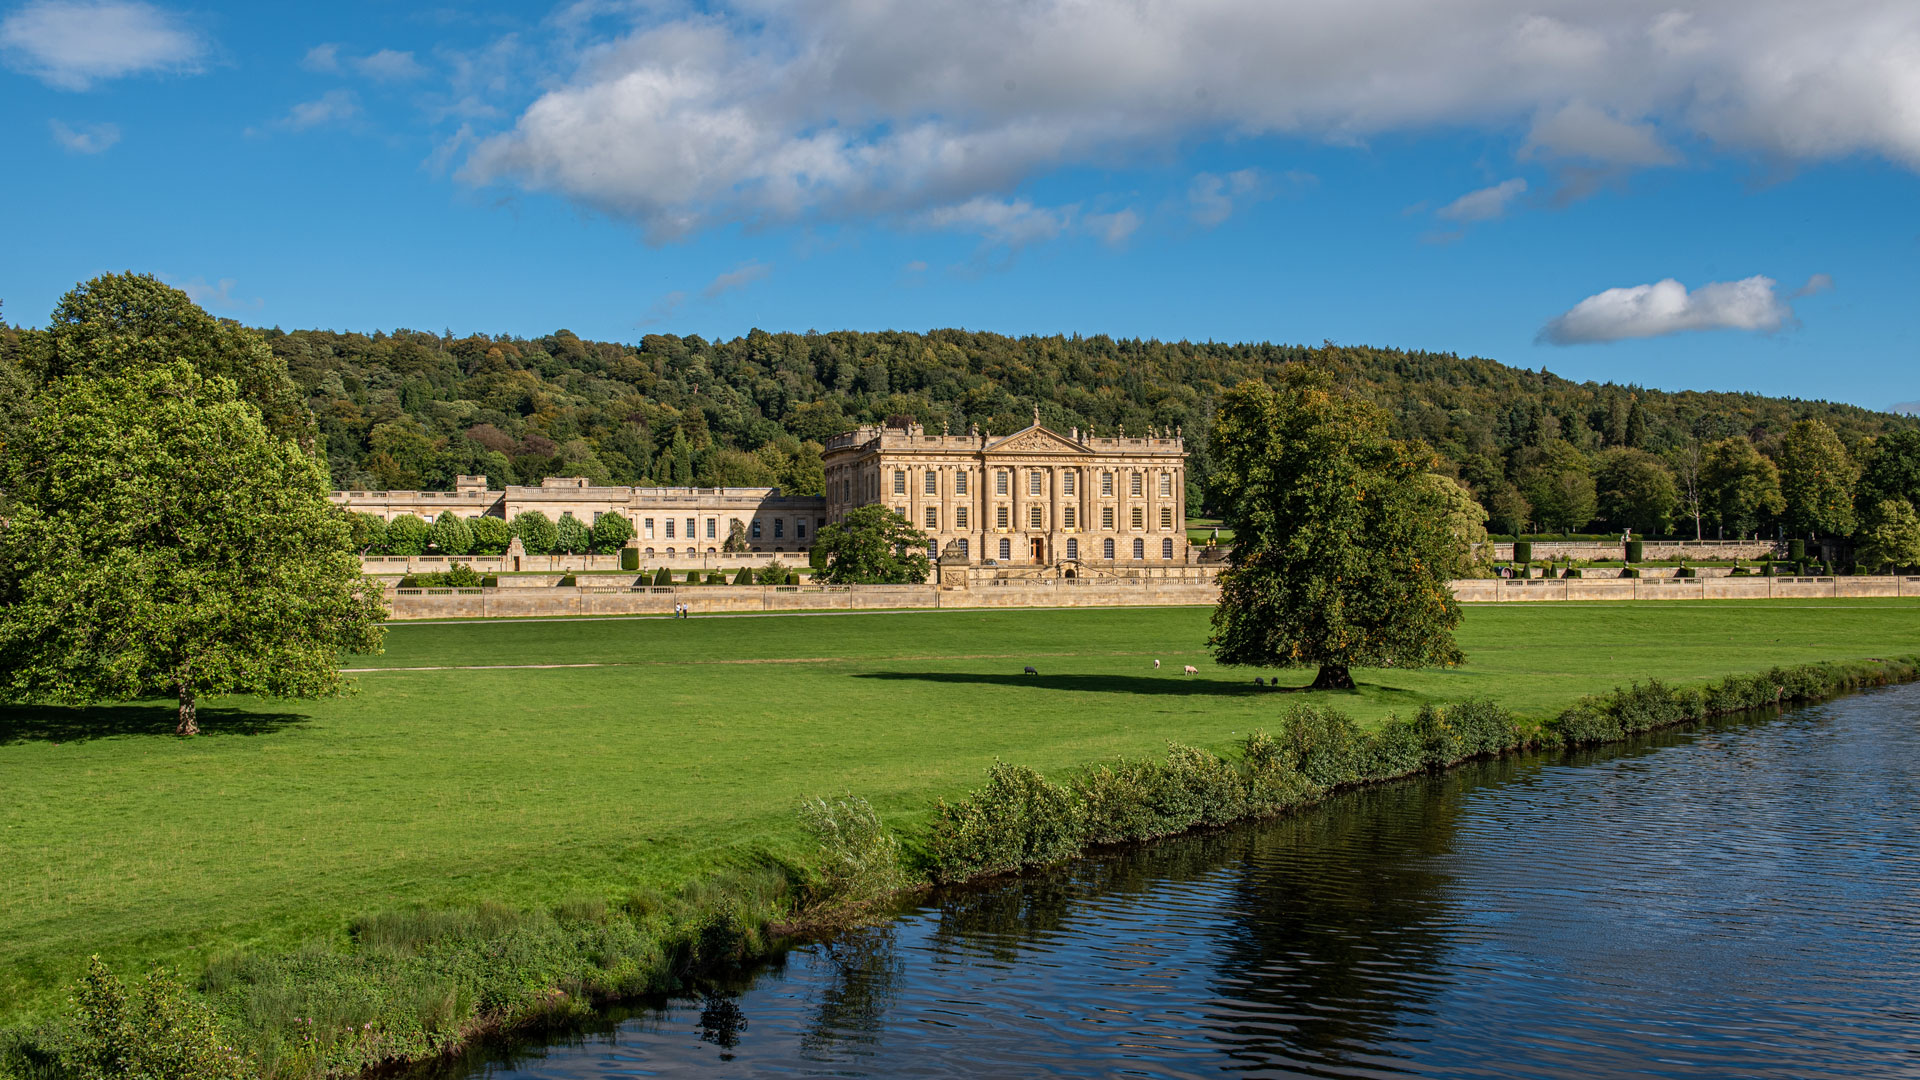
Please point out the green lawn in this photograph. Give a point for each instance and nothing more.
(689, 748)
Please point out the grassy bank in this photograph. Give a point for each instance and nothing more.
(685, 756)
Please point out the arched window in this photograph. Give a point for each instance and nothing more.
(1166, 548)
(1106, 548)
(1139, 548)
(1006, 549)
(1073, 548)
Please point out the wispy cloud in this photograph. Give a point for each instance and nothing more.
(733, 280)
(217, 296)
(738, 278)
(92, 139)
(72, 44)
(322, 58)
(1667, 307)
(1212, 198)
(332, 107)
(390, 65)
(1486, 204)
(1113, 229)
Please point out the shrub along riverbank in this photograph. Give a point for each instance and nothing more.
(414, 984)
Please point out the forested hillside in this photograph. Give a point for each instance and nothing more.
(411, 409)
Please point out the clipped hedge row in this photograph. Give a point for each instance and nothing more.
(1021, 819)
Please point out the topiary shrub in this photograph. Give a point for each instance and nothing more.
(408, 535)
(1635, 550)
(629, 558)
(609, 533)
(571, 536)
(567, 581)
(367, 533)
(663, 576)
(451, 536)
(490, 535)
(536, 531)
(716, 577)
(744, 577)
(693, 577)
(1796, 550)
(1523, 551)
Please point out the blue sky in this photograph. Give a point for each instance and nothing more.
(1715, 195)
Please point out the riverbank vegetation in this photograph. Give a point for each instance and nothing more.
(612, 818)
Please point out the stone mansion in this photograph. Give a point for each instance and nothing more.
(1035, 497)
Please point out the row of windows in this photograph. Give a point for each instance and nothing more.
(1073, 549)
(713, 528)
(1036, 483)
(1037, 517)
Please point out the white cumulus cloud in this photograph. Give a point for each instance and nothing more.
(71, 44)
(1667, 307)
(92, 139)
(687, 117)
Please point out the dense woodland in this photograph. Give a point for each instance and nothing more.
(412, 409)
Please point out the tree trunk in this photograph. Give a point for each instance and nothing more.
(189, 714)
(1332, 677)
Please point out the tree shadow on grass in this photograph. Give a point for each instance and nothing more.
(1173, 685)
(80, 723)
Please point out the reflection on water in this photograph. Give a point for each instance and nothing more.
(1737, 899)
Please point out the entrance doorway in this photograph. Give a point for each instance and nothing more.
(1039, 549)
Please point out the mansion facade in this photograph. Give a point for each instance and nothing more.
(1034, 497)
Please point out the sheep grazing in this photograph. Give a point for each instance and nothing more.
(1156, 664)
(1031, 670)
(1191, 670)
(1258, 681)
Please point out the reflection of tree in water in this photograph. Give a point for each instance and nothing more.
(850, 1009)
(1341, 923)
(999, 919)
(721, 1022)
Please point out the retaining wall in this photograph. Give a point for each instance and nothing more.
(1516, 590)
(1653, 549)
(711, 599)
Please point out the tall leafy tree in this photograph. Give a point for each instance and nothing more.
(490, 535)
(408, 535)
(1891, 540)
(451, 534)
(1341, 546)
(536, 531)
(872, 545)
(161, 541)
(1740, 488)
(118, 324)
(570, 536)
(1892, 468)
(1817, 478)
(610, 533)
(1635, 490)
(367, 533)
(1558, 481)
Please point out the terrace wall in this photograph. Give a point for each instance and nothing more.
(1006, 593)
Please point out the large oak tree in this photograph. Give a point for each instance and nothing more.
(161, 541)
(1341, 549)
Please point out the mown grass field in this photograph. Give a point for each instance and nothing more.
(687, 748)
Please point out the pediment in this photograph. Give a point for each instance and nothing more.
(1035, 440)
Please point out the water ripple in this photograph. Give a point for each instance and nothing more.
(1741, 899)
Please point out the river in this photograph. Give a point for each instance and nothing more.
(1737, 898)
